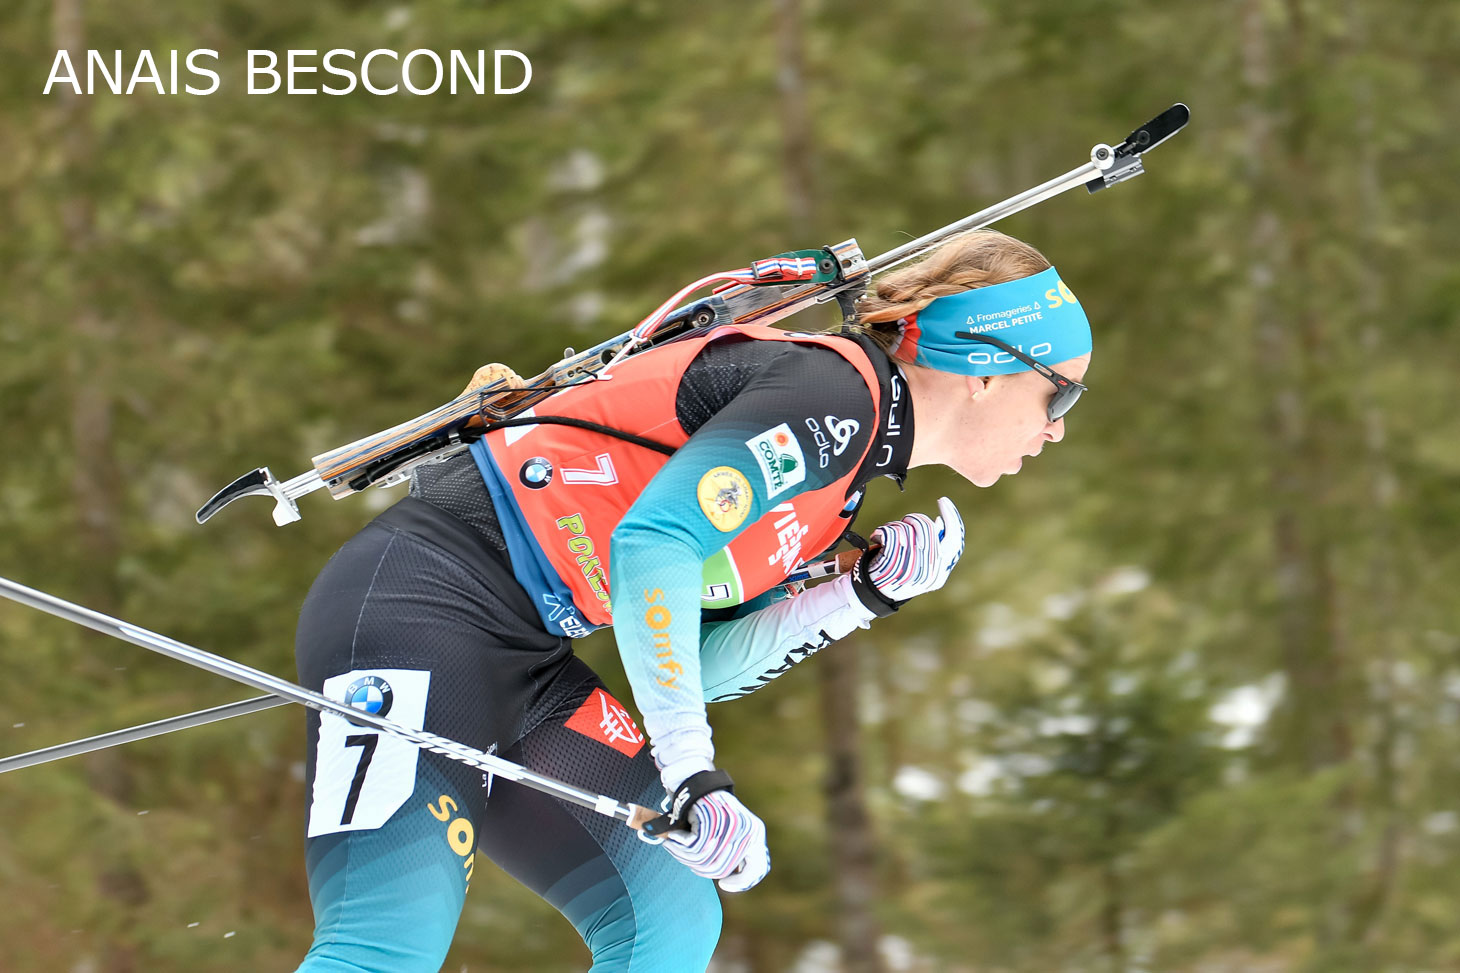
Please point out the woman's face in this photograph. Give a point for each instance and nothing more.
(1007, 421)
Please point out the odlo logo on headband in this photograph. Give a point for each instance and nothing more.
(989, 355)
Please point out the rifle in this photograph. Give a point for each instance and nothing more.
(765, 292)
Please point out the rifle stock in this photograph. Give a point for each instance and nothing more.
(385, 458)
(385, 455)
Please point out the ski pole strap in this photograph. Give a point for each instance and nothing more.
(694, 787)
(868, 593)
(811, 266)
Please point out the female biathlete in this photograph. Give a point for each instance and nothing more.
(674, 504)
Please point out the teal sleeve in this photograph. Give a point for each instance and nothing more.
(659, 547)
(657, 554)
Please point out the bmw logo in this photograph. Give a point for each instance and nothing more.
(371, 694)
(536, 473)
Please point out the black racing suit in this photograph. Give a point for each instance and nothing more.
(419, 618)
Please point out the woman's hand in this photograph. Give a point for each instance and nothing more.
(725, 841)
(916, 557)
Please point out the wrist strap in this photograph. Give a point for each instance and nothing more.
(694, 787)
(867, 593)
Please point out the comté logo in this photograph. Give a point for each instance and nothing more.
(779, 455)
(603, 719)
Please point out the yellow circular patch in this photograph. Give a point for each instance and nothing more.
(725, 496)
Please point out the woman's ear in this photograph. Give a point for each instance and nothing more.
(976, 384)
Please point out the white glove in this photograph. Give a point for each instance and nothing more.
(917, 556)
(725, 841)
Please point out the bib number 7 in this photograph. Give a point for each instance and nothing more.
(362, 776)
(367, 743)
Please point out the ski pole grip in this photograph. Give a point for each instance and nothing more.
(647, 819)
(694, 787)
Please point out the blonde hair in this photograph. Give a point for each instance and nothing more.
(975, 259)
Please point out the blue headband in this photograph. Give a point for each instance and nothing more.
(1039, 315)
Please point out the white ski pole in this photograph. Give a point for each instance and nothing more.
(633, 815)
(142, 732)
(830, 567)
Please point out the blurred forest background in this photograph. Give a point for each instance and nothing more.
(1190, 703)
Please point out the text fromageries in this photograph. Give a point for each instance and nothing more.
(294, 72)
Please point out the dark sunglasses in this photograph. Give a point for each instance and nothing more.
(1066, 390)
